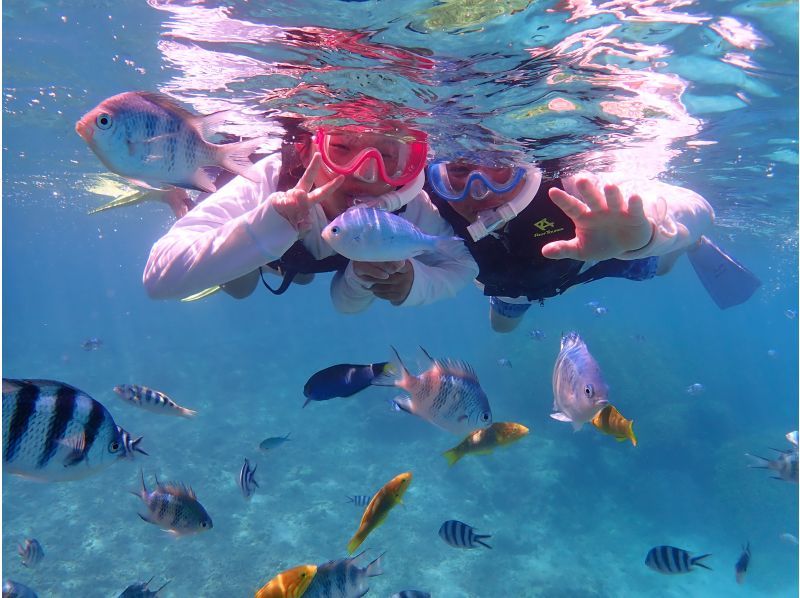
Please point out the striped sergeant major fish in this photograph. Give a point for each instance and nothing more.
(343, 578)
(360, 500)
(461, 535)
(247, 480)
(152, 400)
(743, 563)
(670, 560)
(411, 594)
(785, 465)
(31, 552)
(53, 432)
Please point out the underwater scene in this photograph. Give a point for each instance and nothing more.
(463, 299)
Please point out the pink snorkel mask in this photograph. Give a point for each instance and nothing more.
(371, 155)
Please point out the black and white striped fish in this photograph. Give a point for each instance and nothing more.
(53, 432)
(247, 480)
(152, 400)
(461, 535)
(174, 508)
(670, 560)
(343, 578)
(31, 552)
(411, 594)
(360, 500)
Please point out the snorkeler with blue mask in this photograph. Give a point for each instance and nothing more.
(534, 238)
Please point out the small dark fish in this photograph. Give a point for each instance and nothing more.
(344, 380)
(411, 594)
(670, 560)
(247, 480)
(14, 589)
(461, 535)
(537, 335)
(360, 500)
(273, 442)
(91, 344)
(504, 362)
(742, 563)
(140, 590)
(31, 552)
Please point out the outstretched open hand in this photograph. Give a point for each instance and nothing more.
(606, 224)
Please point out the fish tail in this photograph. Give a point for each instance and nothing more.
(759, 462)
(236, 156)
(695, 561)
(142, 493)
(631, 435)
(354, 543)
(187, 412)
(374, 568)
(450, 246)
(452, 456)
(479, 537)
(386, 373)
(406, 377)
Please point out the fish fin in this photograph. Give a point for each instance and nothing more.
(760, 462)
(187, 412)
(236, 157)
(450, 246)
(146, 518)
(478, 539)
(202, 294)
(403, 404)
(178, 489)
(306, 403)
(125, 200)
(695, 561)
(576, 425)
(403, 367)
(161, 588)
(374, 568)
(207, 125)
(632, 436)
(562, 417)
(569, 339)
(149, 186)
(77, 449)
(452, 456)
(456, 367)
(202, 182)
(168, 103)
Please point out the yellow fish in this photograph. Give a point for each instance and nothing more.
(378, 508)
(485, 440)
(611, 421)
(291, 583)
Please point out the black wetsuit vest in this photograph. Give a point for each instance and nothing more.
(511, 262)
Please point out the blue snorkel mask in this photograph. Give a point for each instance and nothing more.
(447, 184)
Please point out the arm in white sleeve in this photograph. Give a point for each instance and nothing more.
(679, 216)
(349, 293)
(229, 234)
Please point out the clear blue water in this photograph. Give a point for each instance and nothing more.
(571, 514)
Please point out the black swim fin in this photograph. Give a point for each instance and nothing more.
(727, 281)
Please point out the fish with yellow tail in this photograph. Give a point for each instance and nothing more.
(291, 583)
(378, 508)
(612, 422)
(484, 440)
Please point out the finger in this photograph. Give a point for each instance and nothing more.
(614, 199)
(569, 204)
(636, 208)
(372, 269)
(320, 193)
(592, 196)
(558, 250)
(310, 175)
(298, 200)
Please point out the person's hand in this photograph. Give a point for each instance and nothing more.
(606, 224)
(389, 280)
(294, 204)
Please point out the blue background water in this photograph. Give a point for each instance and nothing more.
(571, 514)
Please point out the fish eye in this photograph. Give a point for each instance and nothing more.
(103, 121)
(113, 446)
(204, 524)
(335, 230)
(485, 416)
(588, 390)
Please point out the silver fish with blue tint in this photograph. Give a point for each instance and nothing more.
(273, 442)
(31, 552)
(460, 535)
(343, 578)
(579, 390)
(670, 560)
(53, 432)
(373, 235)
(247, 480)
(174, 508)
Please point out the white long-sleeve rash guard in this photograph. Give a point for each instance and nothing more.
(235, 230)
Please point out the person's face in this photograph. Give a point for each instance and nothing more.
(469, 208)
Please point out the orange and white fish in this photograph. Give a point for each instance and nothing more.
(291, 583)
(447, 395)
(610, 421)
(378, 508)
(152, 400)
(151, 140)
(484, 440)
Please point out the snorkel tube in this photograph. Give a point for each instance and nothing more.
(392, 201)
(490, 220)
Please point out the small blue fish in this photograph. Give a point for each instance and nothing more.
(372, 235)
(670, 560)
(344, 380)
(537, 335)
(92, 344)
(140, 590)
(743, 563)
(772, 353)
(360, 500)
(273, 442)
(461, 535)
(31, 552)
(695, 389)
(504, 362)
(600, 311)
(411, 594)
(247, 480)
(14, 589)
(593, 304)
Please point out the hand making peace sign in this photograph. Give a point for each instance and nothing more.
(295, 204)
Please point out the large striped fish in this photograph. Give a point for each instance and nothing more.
(670, 560)
(343, 578)
(53, 432)
(579, 390)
